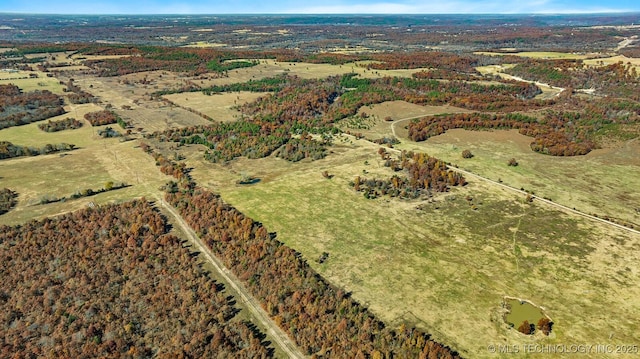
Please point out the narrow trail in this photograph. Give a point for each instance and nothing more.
(393, 124)
(283, 341)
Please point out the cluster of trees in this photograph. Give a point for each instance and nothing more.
(8, 199)
(300, 105)
(9, 150)
(110, 282)
(300, 148)
(18, 108)
(423, 175)
(99, 118)
(323, 320)
(60, 125)
(227, 141)
(77, 95)
(556, 133)
(108, 132)
(544, 326)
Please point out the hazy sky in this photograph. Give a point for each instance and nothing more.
(316, 7)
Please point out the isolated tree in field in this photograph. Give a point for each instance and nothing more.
(512, 162)
(467, 154)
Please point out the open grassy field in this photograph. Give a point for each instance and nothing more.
(28, 84)
(445, 267)
(399, 113)
(614, 59)
(220, 107)
(603, 182)
(95, 162)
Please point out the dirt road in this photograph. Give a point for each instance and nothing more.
(251, 303)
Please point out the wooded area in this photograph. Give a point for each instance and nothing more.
(110, 282)
(18, 108)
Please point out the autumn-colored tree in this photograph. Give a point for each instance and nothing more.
(544, 325)
(526, 328)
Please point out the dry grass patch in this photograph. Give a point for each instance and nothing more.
(613, 60)
(220, 107)
(95, 162)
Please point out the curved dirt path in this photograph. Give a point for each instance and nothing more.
(284, 342)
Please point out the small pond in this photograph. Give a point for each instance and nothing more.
(521, 311)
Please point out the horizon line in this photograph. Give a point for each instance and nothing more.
(607, 12)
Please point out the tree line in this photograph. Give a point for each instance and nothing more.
(9, 150)
(323, 320)
(60, 125)
(555, 133)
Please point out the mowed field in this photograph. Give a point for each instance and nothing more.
(444, 267)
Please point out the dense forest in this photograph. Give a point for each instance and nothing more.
(8, 199)
(68, 123)
(110, 282)
(18, 108)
